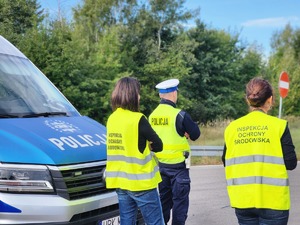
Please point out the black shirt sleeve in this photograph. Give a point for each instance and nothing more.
(185, 124)
(223, 155)
(146, 133)
(288, 149)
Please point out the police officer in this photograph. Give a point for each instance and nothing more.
(174, 127)
(257, 154)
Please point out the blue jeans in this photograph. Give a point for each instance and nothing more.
(147, 201)
(262, 216)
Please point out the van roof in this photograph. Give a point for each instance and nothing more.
(7, 48)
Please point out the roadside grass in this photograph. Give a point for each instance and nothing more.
(206, 160)
(212, 134)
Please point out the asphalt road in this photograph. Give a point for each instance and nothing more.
(209, 203)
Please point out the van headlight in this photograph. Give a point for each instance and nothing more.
(19, 178)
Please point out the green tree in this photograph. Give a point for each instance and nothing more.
(17, 17)
(97, 35)
(161, 65)
(285, 57)
(250, 65)
(167, 15)
(156, 46)
(214, 73)
(218, 78)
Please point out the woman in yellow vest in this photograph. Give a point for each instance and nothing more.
(131, 167)
(258, 152)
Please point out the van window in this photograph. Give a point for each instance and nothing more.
(26, 92)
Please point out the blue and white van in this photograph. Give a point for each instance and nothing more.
(52, 159)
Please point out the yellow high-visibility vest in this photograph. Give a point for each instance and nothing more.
(254, 166)
(163, 121)
(127, 168)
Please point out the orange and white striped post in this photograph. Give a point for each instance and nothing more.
(283, 88)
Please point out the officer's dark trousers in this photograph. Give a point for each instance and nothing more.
(174, 193)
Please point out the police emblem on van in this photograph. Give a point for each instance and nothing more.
(61, 126)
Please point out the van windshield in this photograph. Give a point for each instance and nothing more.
(26, 92)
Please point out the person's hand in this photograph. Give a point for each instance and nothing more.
(150, 146)
(186, 135)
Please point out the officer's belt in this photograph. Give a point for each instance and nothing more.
(173, 155)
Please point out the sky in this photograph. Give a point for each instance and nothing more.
(254, 20)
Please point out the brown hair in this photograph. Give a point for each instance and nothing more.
(126, 94)
(258, 90)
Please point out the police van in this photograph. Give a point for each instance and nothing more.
(52, 159)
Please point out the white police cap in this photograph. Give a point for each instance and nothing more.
(168, 86)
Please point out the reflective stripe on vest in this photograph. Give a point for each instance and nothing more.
(123, 158)
(258, 180)
(254, 158)
(133, 176)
